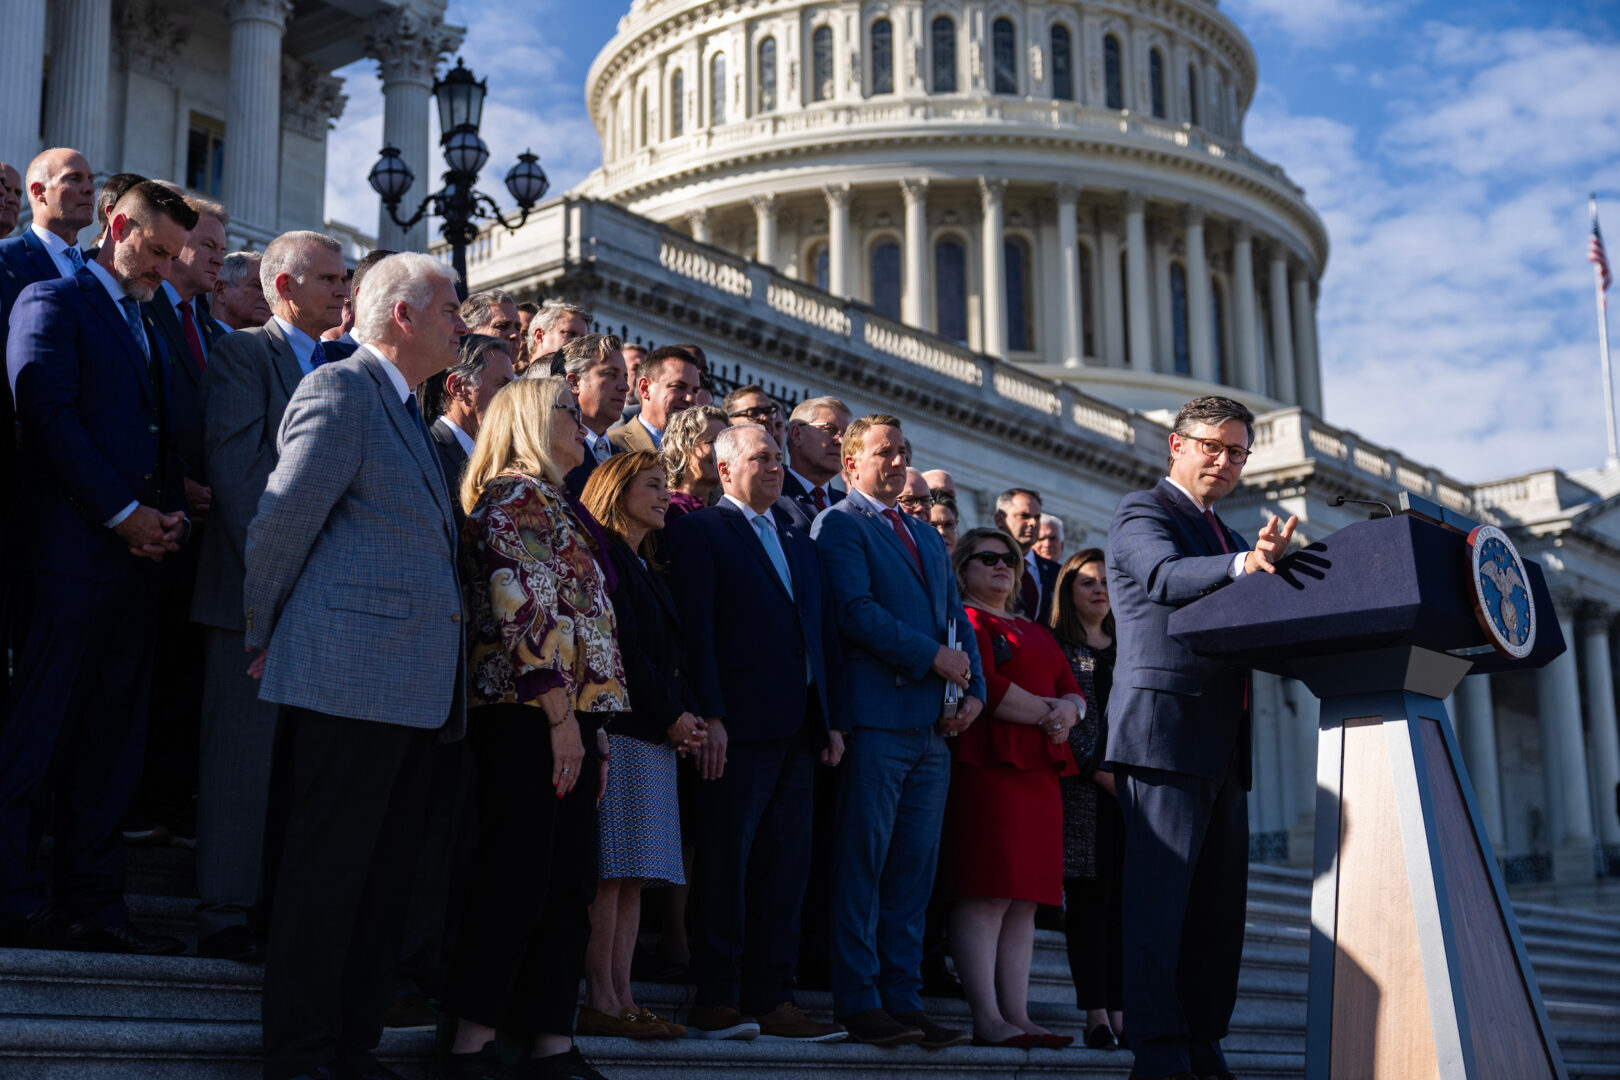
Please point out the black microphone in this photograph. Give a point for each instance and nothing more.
(1387, 512)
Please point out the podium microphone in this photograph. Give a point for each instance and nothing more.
(1387, 512)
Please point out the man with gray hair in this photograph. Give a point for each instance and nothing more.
(1049, 541)
(594, 367)
(558, 323)
(353, 607)
(251, 375)
(238, 300)
(494, 313)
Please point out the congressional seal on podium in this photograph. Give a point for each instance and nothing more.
(1501, 592)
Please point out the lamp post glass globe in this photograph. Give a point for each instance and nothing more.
(460, 98)
(464, 151)
(527, 181)
(390, 178)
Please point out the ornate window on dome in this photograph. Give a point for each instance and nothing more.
(1004, 57)
(818, 266)
(767, 75)
(1020, 296)
(1192, 95)
(950, 289)
(717, 89)
(1217, 313)
(1156, 80)
(1125, 304)
(1088, 305)
(1178, 319)
(1113, 74)
(886, 278)
(1062, 63)
(882, 34)
(943, 34)
(677, 104)
(821, 64)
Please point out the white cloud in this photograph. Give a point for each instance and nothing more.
(1456, 319)
(1316, 22)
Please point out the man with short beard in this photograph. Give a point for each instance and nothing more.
(103, 485)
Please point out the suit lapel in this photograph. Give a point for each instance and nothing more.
(161, 317)
(425, 455)
(655, 581)
(751, 540)
(886, 530)
(40, 258)
(1193, 523)
(102, 304)
(283, 359)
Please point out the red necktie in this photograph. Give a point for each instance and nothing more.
(818, 495)
(1029, 593)
(905, 536)
(1220, 533)
(193, 339)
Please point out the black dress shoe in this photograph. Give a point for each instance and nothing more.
(232, 943)
(44, 929)
(87, 935)
(1224, 1074)
(1101, 1037)
(938, 981)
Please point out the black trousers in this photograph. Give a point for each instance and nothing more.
(174, 718)
(520, 949)
(355, 794)
(444, 868)
(1093, 914)
(754, 836)
(1186, 887)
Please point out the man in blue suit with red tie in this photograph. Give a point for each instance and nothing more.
(897, 604)
(1179, 746)
(103, 484)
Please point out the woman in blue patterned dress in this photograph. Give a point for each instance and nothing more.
(640, 818)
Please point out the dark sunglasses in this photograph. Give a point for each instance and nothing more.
(989, 559)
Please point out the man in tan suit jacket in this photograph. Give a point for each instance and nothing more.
(666, 383)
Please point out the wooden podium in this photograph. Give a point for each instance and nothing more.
(1417, 969)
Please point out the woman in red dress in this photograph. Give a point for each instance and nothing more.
(1005, 814)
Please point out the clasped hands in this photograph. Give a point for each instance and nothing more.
(954, 666)
(150, 533)
(1062, 714)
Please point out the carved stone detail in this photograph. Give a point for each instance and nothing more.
(311, 100)
(150, 36)
(408, 46)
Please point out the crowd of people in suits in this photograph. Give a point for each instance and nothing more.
(447, 629)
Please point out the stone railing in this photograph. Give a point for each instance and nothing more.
(701, 262)
(807, 305)
(924, 350)
(816, 123)
(1291, 436)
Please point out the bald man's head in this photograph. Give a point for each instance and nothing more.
(61, 190)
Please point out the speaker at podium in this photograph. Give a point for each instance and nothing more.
(1417, 969)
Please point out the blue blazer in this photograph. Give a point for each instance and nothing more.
(1171, 709)
(746, 639)
(23, 261)
(891, 619)
(95, 425)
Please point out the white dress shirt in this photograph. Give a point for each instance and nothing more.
(1240, 558)
(57, 248)
(462, 437)
(657, 436)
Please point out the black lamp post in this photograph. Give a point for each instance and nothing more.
(461, 107)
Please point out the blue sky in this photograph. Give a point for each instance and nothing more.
(1449, 146)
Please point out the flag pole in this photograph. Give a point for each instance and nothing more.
(1603, 346)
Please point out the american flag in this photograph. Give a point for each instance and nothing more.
(1598, 258)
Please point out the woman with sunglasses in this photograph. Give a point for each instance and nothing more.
(544, 672)
(1005, 813)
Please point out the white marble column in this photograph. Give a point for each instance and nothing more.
(913, 298)
(765, 225)
(1112, 321)
(1198, 316)
(1307, 363)
(1164, 317)
(1069, 253)
(698, 222)
(76, 106)
(837, 239)
(1139, 318)
(22, 78)
(1563, 751)
(1282, 329)
(408, 47)
(253, 112)
(1474, 721)
(1605, 747)
(1247, 370)
(995, 268)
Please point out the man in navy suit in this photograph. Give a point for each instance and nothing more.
(815, 436)
(1179, 745)
(102, 481)
(1018, 512)
(897, 605)
(762, 654)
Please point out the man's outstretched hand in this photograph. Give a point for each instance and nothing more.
(1271, 545)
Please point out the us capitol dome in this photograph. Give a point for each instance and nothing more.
(1061, 185)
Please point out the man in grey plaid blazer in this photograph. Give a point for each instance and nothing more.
(352, 593)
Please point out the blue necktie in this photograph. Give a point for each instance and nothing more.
(76, 257)
(132, 316)
(416, 415)
(773, 548)
(317, 357)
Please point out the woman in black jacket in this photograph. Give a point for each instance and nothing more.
(640, 817)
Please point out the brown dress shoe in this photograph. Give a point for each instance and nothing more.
(935, 1037)
(788, 1021)
(628, 1025)
(874, 1027)
(672, 1030)
(720, 1022)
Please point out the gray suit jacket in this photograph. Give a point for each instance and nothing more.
(251, 376)
(351, 577)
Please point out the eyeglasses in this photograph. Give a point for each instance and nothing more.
(913, 502)
(828, 429)
(1213, 448)
(758, 412)
(989, 559)
(571, 410)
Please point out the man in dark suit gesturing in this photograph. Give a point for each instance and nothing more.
(1179, 745)
(102, 482)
